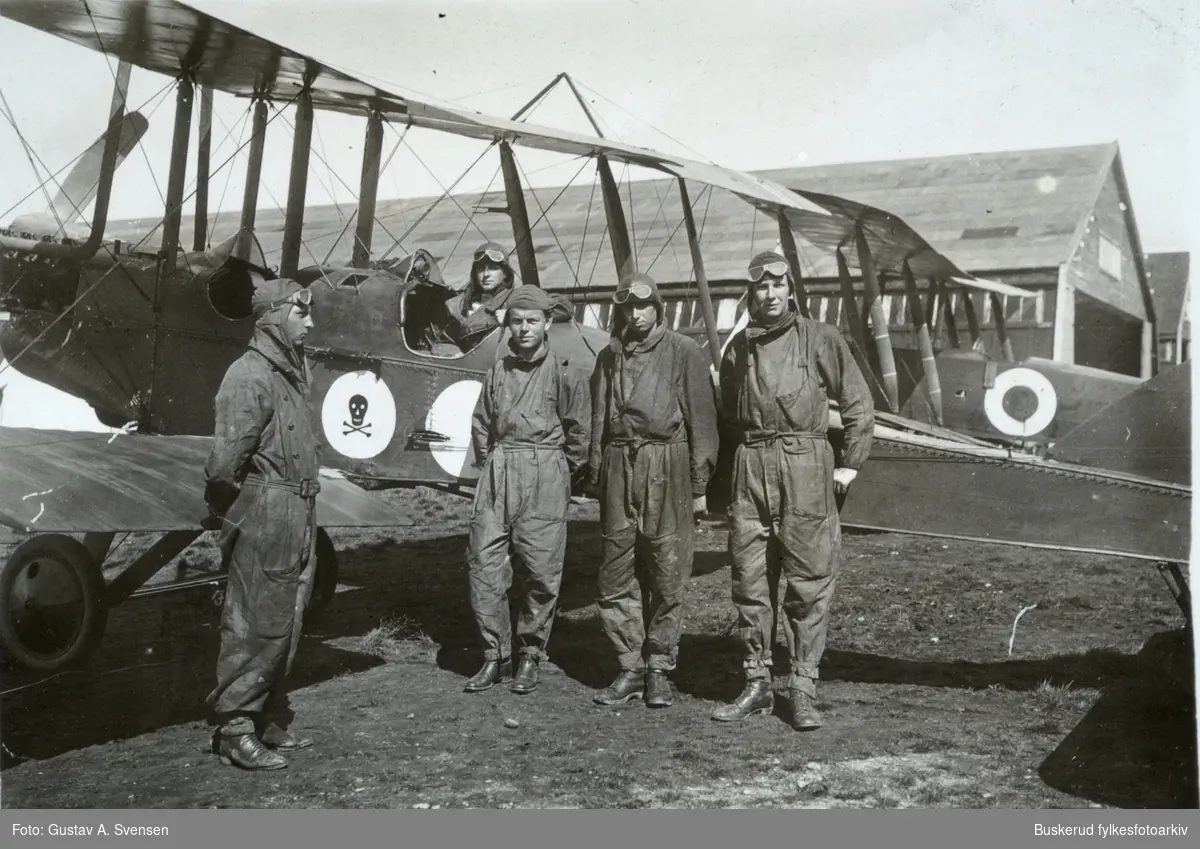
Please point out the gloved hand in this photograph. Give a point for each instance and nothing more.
(699, 506)
(842, 478)
(219, 496)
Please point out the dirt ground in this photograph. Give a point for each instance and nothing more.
(925, 706)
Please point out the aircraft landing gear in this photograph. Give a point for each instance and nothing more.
(52, 605)
(1177, 584)
(54, 600)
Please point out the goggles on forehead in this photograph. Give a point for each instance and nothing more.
(636, 292)
(776, 268)
(302, 298)
(494, 254)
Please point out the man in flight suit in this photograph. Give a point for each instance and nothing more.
(776, 380)
(261, 486)
(471, 315)
(654, 421)
(530, 431)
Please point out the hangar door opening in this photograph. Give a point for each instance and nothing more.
(1107, 338)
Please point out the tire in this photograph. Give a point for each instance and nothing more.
(27, 627)
(326, 578)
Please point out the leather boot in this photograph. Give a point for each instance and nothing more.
(659, 692)
(274, 737)
(805, 715)
(247, 752)
(488, 675)
(629, 684)
(526, 679)
(756, 698)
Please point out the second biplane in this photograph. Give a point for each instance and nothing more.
(144, 337)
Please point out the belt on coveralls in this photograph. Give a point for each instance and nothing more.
(632, 444)
(759, 437)
(528, 446)
(307, 488)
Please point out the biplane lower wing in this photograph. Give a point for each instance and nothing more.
(950, 487)
(71, 482)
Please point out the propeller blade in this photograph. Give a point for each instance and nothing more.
(79, 188)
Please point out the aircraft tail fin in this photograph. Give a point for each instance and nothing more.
(1146, 432)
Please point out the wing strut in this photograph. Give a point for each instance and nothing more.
(948, 312)
(175, 181)
(972, 318)
(368, 190)
(706, 306)
(618, 231)
(258, 138)
(788, 242)
(522, 232)
(879, 321)
(929, 368)
(858, 331)
(1002, 327)
(293, 224)
(108, 164)
(203, 158)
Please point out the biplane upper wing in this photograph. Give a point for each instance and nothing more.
(167, 36)
(72, 482)
(891, 241)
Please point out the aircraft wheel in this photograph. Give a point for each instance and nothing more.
(326, 578)
(52, 610)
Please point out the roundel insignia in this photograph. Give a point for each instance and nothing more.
(358, 415)
(1033, 381)
(450, 415)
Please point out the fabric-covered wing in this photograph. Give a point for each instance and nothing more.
(890, 240)
(72, 482)
(166, 36)
(763, 193)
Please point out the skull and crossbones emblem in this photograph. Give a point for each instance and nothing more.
(358, 417)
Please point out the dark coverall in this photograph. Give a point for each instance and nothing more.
(531, 430)
(262, 476)
(775, 389)
(654, 422)
(465, 330)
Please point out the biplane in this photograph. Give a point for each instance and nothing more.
(144, 336)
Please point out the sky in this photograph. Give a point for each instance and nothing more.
(748, 85)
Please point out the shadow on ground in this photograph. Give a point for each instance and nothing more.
(1136, 747)
(125, 695)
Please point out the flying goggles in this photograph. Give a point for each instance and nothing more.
(636, 292)
(491, 252)
(762, 266)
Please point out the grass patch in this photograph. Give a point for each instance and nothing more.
(1055, 699)
(383, 639)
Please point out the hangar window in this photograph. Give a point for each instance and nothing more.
(989, 232)
(1110, 257)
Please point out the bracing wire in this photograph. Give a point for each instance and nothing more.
(92, 287)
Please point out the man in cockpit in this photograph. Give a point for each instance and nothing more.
(471, 315)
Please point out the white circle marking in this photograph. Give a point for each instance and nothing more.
(1035, 382)
(450, 415)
